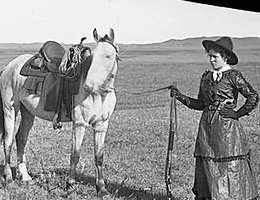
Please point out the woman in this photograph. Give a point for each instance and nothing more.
(223, 170)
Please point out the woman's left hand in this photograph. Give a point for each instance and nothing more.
(228, 113)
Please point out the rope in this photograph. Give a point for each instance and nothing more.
(149, 91)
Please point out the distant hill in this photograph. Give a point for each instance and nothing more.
(172, 44)
(194, 44)
(20, 47)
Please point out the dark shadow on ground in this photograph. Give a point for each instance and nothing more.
(117, 190)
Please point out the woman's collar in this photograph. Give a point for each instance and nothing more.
(223, 69)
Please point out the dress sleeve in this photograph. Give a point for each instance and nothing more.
(197, 104)
(192, 103)
(246, 90)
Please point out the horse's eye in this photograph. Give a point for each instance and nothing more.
(108, 56)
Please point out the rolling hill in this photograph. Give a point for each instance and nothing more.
(172, 44)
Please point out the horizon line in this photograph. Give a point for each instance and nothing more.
(148, 43)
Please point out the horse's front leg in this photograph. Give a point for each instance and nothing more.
(99, 140)
(77, 138)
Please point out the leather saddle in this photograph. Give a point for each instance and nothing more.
(44, 80)
(45, 61)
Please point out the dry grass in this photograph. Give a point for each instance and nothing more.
(136, 141)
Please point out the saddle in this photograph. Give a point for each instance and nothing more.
(45, 61)
(45, 80)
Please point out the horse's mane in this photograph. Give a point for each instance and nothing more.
(2, 68)
(104, 39)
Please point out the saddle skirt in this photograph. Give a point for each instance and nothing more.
(55, 91)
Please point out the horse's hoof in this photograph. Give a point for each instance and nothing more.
(9, 184)
(71, 180)
(107, 197)
(8, 175)
(102, 193)
(27, 182)
(26, 178)
(56, 125)
(8, 180)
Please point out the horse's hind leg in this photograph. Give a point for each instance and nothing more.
(100, 130)
(9, 126)
(26, 124)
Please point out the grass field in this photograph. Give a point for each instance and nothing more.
(136, 142)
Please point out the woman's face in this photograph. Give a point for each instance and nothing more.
(216, 60)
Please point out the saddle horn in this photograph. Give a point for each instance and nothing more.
(81, 40)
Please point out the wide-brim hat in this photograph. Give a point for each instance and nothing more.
(224, 43)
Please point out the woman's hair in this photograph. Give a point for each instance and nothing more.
(222, 52)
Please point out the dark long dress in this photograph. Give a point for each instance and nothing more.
(222, 152)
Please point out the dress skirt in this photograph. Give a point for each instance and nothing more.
(225, 180)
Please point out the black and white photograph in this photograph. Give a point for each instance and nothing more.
(129, 100)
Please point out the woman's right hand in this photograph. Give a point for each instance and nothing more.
(174, 91)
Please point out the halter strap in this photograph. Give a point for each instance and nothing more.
(111, 75)
(105, 39)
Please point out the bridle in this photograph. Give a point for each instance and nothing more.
(111, 74)
(106, 39)
(75, 58)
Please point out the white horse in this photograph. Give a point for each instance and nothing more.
(92, 106)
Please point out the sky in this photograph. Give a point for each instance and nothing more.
(133, 21)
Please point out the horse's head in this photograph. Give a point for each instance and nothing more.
(74, 56)
(101, 73)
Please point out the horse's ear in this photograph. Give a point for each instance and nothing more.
(96, 36)
(111, 35)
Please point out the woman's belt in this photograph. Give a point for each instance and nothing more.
(211, 107)
(218, 105)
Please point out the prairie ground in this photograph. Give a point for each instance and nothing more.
(136, 142)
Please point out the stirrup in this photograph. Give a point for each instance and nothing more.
(56, 123)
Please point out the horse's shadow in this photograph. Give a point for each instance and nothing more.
(117, 190)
